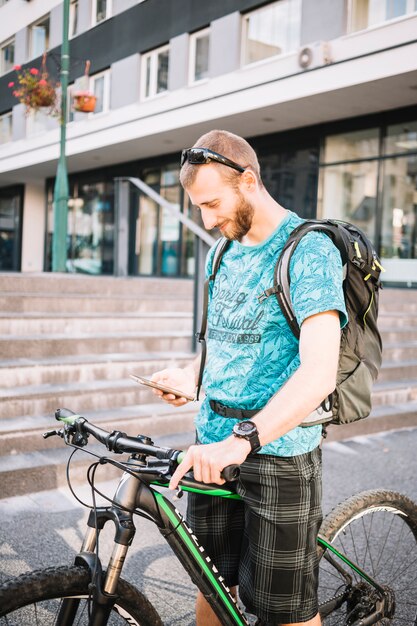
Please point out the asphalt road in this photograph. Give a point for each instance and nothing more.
(46, 528)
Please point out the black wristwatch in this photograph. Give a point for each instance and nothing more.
(248, 430)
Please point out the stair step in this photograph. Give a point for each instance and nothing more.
(87, 396)
(38, 346)
(34, 324)
(388, 321)
(46, 469)
(394, 392)
(88, 367)
(24, 434)
(392, 370)
(396, 351)
(93, 303)
(59, 284)
(403, 334)
(387, 417)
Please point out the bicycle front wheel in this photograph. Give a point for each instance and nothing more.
(377, 530)
(35, 599)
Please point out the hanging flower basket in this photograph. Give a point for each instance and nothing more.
(84, 101)
(35, 89)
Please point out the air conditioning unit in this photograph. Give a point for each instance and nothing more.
(315, 55)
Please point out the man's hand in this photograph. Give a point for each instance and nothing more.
(210, 459)
(182, 379)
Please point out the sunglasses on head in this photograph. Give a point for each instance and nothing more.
(199, 156)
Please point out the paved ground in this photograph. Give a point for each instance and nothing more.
(46, 528)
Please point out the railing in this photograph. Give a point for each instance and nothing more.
(203, 239)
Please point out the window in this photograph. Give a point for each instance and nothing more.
(101, 10)
(272, 30)
(73, 18)
(6, 127)
(349, 178)
(199, 55)
(155, 72)
(39, 37)
(100, 87)
(7, 56)
(366, 13)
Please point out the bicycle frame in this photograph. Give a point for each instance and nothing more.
(140, 492)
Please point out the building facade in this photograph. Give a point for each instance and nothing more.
(325, 90)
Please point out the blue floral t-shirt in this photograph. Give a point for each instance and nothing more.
(251, 350)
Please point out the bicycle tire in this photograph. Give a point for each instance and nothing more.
(35, 598)
(377, 530)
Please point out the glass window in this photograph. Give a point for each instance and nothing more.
(348, 192)
(360, 144)
(10, 215)
(98, 88)
(155, 67)
(39, 37)
(7, 56)
(272, 30)
(90, 236)
(401, 138)
(73, 18)
(6, 121)
(101, 10)
(399, 208)
(199, 55)
(366, 13)
(162, 71)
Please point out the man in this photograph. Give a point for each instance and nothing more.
(267, 543)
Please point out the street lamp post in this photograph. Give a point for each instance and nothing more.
(61, 189)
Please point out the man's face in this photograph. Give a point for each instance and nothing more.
(222, 206)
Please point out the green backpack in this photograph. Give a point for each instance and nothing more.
(360, 345)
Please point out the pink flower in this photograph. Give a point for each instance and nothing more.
(42, 82)
(17, 67)
(34, 71)
(11, 84)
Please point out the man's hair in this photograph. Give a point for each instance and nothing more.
(229, 145)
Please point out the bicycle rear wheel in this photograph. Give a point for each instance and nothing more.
(35, 599)
(377, 530)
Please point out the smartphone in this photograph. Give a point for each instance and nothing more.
(164, 388)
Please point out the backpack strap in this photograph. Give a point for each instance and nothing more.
(282, 278)
(221, 248)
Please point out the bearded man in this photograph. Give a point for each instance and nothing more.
(260, 384)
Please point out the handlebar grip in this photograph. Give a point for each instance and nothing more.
(230, 473)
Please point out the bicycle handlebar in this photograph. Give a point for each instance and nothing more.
(119, 442)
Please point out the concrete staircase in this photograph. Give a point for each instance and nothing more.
(68, 340)
(71, 341)
(395, 393)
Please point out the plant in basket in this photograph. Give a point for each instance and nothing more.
(84, 100)
(35, 89)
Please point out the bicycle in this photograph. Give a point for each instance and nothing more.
(375, 584)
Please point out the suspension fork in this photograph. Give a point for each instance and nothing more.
(103, 592)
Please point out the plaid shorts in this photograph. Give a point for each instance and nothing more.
(266, 542)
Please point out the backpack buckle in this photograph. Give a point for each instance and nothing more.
(358, 262)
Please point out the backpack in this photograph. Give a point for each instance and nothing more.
(360, 344)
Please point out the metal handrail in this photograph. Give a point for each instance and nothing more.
(195, 228)
(204, 240)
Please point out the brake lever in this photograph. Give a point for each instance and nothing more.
(52, 433)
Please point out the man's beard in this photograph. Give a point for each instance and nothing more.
(241, 223)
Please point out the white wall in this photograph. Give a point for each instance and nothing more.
(33, 236)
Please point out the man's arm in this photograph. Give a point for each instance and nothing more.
(303, 392)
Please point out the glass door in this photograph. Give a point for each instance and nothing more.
(10, 229)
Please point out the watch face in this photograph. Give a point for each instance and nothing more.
(246, 427)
